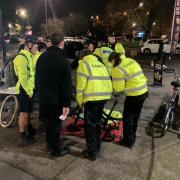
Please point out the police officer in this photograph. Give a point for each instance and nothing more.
(129, 78)
(104, 52)
(114, 45)
(24, 90)
(94, 88)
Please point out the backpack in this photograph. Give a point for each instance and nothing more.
(9, 71)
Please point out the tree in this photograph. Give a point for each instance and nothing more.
(75, 25)
(126, 15)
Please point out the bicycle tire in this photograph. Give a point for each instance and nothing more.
(155, 131)
(168, 118)
(176, 101)
(7, 124)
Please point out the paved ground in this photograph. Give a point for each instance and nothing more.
(151, 158)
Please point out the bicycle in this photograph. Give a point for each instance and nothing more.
(159, 130)
(171, 106)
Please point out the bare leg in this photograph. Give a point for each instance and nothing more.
(23, 119)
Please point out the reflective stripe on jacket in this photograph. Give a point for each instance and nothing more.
(93, 81)
(129, 78)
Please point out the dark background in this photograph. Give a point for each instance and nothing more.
(60, 8)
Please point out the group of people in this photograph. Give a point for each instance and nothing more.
(100, 71)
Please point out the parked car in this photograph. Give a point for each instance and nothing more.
(151, 46)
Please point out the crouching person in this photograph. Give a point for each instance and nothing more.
(94, 88)
(129, 78)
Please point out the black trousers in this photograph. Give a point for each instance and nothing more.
(132, 109)
(93, 113)
(50, 113)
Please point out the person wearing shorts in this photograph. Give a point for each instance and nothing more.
(24, 89)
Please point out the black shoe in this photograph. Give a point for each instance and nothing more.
(31, 131)
(64, 151)
(26, 141)
(89, 156)
(125, 144)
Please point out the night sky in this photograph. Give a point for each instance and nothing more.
(61, 8)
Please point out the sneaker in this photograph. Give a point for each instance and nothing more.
(89, 156)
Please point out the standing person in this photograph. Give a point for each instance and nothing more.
(114, 45)
(48, 42)
(94, 88)
(24, 89)
(21, 44)
(104, 52)
(161, 52)
(41, 49)
(129, 78)
(54, 86)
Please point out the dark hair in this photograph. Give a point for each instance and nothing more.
(41, 46)
(116, 57)
(84, 53)
(56, 39)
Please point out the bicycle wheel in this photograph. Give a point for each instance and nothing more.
(155, 131)
(169, 118)
(8, 111)
(176, 102)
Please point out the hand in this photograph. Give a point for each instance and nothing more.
(65, 111)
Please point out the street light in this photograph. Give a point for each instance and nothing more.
(125, 13)
(134, 24)
(154, 23)
(141, 4)
(23, 14)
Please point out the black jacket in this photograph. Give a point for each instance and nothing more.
(53, 78)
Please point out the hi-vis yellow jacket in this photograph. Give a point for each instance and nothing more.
(93, 81)
(104, 52)
(24, 72)
(129, 78)
(35, 58)
(118, 48)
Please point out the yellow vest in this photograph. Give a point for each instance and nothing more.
(35, 58)
(93, 81)
(104, 52)
(129, 78)
(24, 72)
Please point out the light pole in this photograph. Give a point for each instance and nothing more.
(46, 16)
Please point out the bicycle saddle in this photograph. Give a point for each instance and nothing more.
(176, 83)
